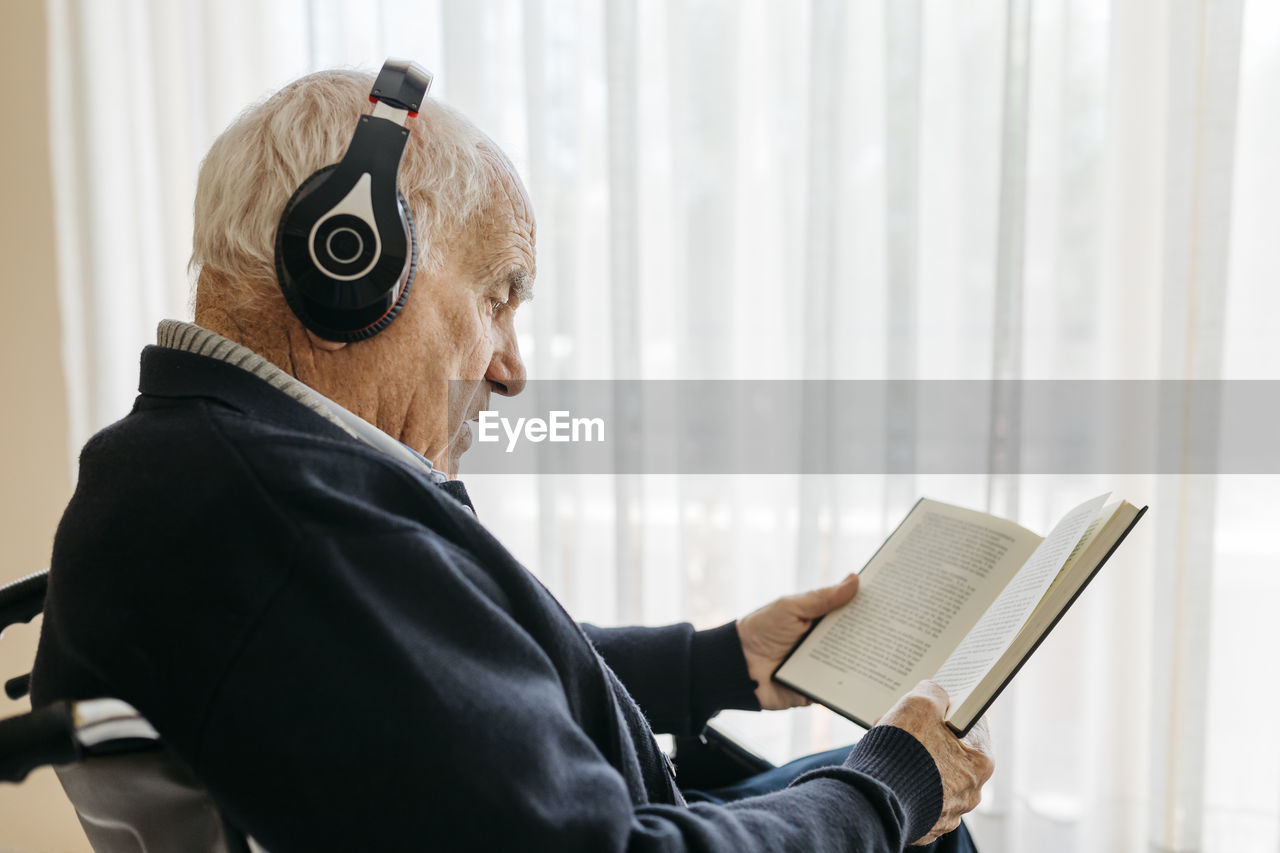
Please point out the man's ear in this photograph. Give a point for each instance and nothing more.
(326, 345)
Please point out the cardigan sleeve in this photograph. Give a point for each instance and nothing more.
(679, 677)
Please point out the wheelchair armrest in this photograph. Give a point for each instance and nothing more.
(23, 599)
(18, 686)
(68, 732)
(712, 759)
(31, 740)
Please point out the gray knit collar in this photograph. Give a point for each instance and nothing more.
(188, 337)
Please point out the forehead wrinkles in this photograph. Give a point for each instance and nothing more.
(502, 234)
(505, 184)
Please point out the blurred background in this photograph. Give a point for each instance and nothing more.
(742, 189)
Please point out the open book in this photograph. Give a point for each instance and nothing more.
(953, 595)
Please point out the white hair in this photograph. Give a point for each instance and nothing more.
(447, 174)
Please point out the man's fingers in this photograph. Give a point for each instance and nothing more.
(935, 694)
(820, 602)
(964, 766)
(979, 736)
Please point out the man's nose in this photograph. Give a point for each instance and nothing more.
(506, 374)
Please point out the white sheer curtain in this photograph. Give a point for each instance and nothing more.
(743, 189)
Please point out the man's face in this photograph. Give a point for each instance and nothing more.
(459, 326)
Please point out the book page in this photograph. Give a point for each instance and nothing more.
(1102, 535)
(918, 597)
(1051, 595)
(1005, 617)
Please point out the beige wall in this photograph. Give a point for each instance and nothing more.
(33, 430)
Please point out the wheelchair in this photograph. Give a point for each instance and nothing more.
(132, 795)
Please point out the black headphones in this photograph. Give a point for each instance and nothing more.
(345, 246)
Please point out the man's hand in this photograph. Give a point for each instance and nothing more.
(965, 765)
(769, 633)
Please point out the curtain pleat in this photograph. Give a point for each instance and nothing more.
(626, 295)
(902, 128)
(1204, 54)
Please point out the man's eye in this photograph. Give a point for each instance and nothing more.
(496, 305)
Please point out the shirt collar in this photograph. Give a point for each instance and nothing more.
(188, 337)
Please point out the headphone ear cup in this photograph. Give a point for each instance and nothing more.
(313, 314)
(290, 287)
(394, 311)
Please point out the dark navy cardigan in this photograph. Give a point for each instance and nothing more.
(348, 660)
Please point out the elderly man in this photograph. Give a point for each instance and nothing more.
(266, 559)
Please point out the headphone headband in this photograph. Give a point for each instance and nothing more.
(401, 84)
(345, 245)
